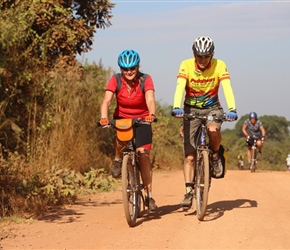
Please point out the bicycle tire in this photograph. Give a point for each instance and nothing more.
(130, 196)
(253, 160)
(202, 182)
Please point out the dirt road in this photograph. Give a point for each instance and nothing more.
(245, 211)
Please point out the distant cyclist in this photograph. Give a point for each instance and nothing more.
(253, 127)
(240, 161)
(200, 78)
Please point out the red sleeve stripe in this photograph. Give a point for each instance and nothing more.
(181, 76)
(224, 77)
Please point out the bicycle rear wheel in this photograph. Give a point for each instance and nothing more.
(202, 182)
(130, 196)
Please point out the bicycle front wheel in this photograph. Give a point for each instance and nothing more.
(202, 182)
(130, 196)
(253, 160)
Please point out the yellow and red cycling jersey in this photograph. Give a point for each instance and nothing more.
(202, 87)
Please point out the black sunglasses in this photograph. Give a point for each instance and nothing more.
(127, 69)
(207, 56)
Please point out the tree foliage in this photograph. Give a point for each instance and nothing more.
(277, 127)
(38, 37)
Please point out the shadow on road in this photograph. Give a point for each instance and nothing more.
(60, 215)
(161, 211)
(217, 209)
(167, 209)
(63, 214)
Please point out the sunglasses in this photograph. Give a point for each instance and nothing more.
(207, 56)
(127, 69)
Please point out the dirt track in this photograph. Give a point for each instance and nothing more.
(245, 211)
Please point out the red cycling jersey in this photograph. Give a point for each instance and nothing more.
(130, 104)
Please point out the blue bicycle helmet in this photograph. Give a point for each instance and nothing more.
(128, 59)
(253, 115)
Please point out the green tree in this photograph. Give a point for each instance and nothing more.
(37, 38)
(239, 125)
(277, 127)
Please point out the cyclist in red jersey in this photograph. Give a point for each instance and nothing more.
(132, 102)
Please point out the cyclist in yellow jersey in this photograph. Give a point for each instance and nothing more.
(200, 78)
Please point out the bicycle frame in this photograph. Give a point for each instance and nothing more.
(202, 177)
(202, 173)
(254, 154)
(132, 187)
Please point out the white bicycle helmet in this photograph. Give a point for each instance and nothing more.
(203, 46)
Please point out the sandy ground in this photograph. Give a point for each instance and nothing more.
(245, 211)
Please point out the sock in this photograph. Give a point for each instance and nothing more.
(189, 187)
(150, 194)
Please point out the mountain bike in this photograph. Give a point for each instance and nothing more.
(132, 187)
(254, 154)
(203, 169)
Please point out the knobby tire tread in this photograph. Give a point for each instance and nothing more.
(202, 191)
(130, 199)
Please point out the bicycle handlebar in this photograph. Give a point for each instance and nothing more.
(255, 137)
(205, 117)
(135, 120)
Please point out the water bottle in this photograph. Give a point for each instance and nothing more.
(202, 138)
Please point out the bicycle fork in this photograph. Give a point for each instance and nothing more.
(136, 187)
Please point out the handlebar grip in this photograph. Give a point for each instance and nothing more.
(99, 125)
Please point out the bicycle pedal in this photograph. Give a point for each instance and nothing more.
(186, 208)
(151, 211)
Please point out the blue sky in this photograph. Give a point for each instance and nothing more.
(252, 37)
